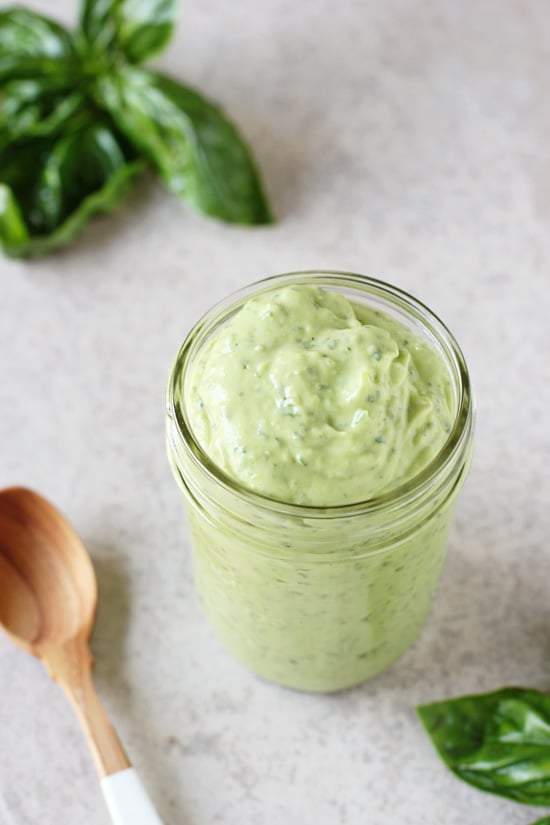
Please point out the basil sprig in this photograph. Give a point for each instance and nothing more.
(498, 742)
(80, 118)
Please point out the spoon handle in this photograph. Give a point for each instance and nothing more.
(72, 668)
(127, 799)
(125, 796)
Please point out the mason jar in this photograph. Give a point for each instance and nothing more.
(319, 598)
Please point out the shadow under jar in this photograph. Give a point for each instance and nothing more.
(319, 598)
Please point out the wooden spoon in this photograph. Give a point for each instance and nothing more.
(48, 598)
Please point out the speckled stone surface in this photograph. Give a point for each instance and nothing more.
(407, 139)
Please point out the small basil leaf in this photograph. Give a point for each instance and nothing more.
(196, 150)
(498, 742)
(20, 166)
(544, 821)
(17, 243)
(139, 29)
(32, 46)
(146, 27)
(39, 108)
(50, 188)
(13, 231)
(102, 201)
(99, 24)
(78, 164)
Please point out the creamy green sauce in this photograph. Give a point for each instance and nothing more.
(307, 398)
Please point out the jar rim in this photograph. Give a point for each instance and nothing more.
(455, 446)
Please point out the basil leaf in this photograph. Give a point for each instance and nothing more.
(139, 29)
(498, 742)
(78, 164)
(39, 108)
(544, 821)
(51, 188)
(102, 201)
(197, 152)
(20, 166)
(98, 24)
(145, 27)
(12, 226)
(32, 46)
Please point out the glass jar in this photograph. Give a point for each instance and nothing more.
(319, 598)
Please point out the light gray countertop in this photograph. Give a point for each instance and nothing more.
(409, 140)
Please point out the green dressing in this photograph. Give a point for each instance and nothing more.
(307, 398)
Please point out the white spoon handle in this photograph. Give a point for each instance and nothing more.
(127, 799)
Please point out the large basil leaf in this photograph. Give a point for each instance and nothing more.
(34, 46)
(499, 742)
(39, 108)
(138, 28)
(196, 150)
(50, 189)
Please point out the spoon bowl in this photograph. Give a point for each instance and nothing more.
(48, 590)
